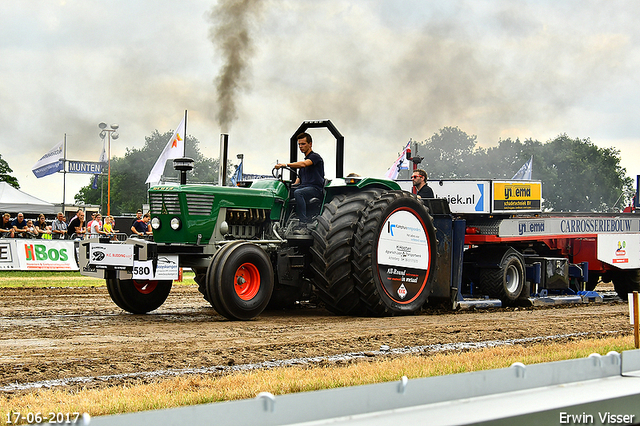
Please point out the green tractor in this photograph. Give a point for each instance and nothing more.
(371, 251)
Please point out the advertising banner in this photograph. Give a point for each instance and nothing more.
(510, 196)
(472, 196)
(166, 268)
(569, 226)
(403, 256)
(8, 257)
(117, 255)
(464, 196)
(621, 250)
(46, 255)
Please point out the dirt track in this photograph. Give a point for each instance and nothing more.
(72, 332)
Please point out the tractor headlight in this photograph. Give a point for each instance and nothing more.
(175, 224)
(155, 223)
(224, 227)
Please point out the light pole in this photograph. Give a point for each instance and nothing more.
(108, 132)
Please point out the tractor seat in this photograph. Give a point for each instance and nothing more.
(314, 200)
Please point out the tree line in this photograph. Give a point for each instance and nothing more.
(576, 175)
(129, 173)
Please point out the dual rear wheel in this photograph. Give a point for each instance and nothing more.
(374, 253)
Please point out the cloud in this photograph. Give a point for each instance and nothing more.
(383, 71)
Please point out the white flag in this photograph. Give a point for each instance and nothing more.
(174, 149)
(525, 171)
(50, 162)
(103, 155)
(400, 164)
(103, 160)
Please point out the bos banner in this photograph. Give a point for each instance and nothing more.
(37, 255)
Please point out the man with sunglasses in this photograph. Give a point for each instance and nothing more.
(419, 179)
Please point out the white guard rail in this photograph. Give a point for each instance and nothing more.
(594, 390)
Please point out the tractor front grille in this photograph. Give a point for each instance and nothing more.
(199, 204)
(164, 203)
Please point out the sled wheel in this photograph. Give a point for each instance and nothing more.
(242, 281)
(626, 281)
(331, 253)
(505, 283)
(394, 254)
(141, 296)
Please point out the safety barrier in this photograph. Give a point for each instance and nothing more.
(594, 390)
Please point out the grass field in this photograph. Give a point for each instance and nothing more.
(40, 279)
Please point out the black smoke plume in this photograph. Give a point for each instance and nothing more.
(231, 34)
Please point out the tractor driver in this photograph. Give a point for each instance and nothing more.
(311, 176)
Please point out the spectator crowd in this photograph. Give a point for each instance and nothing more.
(58, 229)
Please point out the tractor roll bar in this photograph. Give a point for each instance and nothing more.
(319, 124)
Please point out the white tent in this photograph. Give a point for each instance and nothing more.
(13, 201)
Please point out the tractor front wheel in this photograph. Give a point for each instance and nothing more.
(240, 281)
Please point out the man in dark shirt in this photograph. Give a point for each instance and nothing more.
(141, 227)
(311, 176)
(76, 226)
(19, 226)
(419, 178)
(138, 217)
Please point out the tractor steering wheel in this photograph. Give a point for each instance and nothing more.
(279, 173)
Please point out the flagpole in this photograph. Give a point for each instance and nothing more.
(64, 173)
(184, 148)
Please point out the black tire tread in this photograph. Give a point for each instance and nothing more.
(138, 303)
(492, 281)
(365, 236)
(332, 254)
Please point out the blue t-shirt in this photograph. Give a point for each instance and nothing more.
(19, 225)
(141, 226)
(314, 174)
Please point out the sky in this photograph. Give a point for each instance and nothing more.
(383, 71)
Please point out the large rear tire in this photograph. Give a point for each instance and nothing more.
(240, 281)
(138, 296)
(505, 283)
(331, 253)
(394, 254)
(626, 281)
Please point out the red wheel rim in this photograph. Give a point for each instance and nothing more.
(145, 286)
(247, 281)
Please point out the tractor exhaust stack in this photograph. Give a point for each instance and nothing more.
(224, 145)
